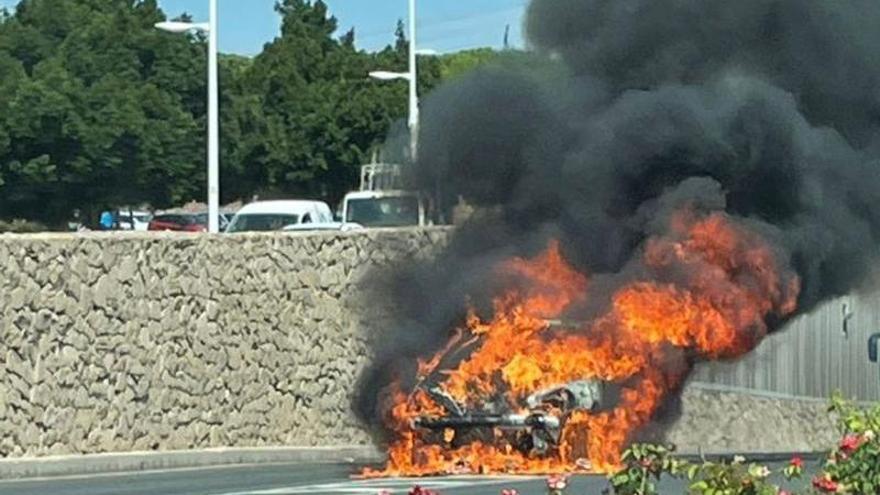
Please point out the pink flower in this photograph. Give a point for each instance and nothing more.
(418, 490)
(850, 444)
(825, 484)
(784, 492)
(797, 462)
(509, 491)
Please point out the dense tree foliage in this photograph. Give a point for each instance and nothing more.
(99, 109)
(454, 65)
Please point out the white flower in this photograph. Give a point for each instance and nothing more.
(557, 482)
(870, 435)
(738, 459)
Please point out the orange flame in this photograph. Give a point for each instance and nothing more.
(704, 292)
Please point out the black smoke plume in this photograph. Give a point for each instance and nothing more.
(766, 109)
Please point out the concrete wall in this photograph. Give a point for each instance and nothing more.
(814, 356)
(718, 419)
(120, 343)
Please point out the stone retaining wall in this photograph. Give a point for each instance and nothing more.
(136, 342)
(117, 343)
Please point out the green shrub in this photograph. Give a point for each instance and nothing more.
(853, 466)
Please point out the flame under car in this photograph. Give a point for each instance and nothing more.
(535, 430)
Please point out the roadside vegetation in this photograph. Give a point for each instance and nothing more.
(853, 466)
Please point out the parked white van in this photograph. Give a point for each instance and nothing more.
(381, 202)
(269, 216)
(376, 209)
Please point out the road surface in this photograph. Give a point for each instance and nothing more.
(288, 479)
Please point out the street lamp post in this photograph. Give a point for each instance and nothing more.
(412, 76)
(413, 85)
(213, 109)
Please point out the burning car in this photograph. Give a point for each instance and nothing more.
(527, 390)
(536, 431)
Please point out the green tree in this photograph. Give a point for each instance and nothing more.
(456, 64)
(319, 115)
(98, 108)
(103, 110)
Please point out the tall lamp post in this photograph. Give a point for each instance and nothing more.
(210, 28)
(413, 77)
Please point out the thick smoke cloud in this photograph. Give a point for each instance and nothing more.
(822, 52)
(767, 110)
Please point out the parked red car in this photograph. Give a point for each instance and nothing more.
(180, 223)
(185, 222)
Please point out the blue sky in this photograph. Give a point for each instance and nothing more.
(445, 25)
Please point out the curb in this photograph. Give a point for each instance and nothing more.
(132, 462)
(81, 465)
(750, 456)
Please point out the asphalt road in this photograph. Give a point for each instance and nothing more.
(288, 479)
